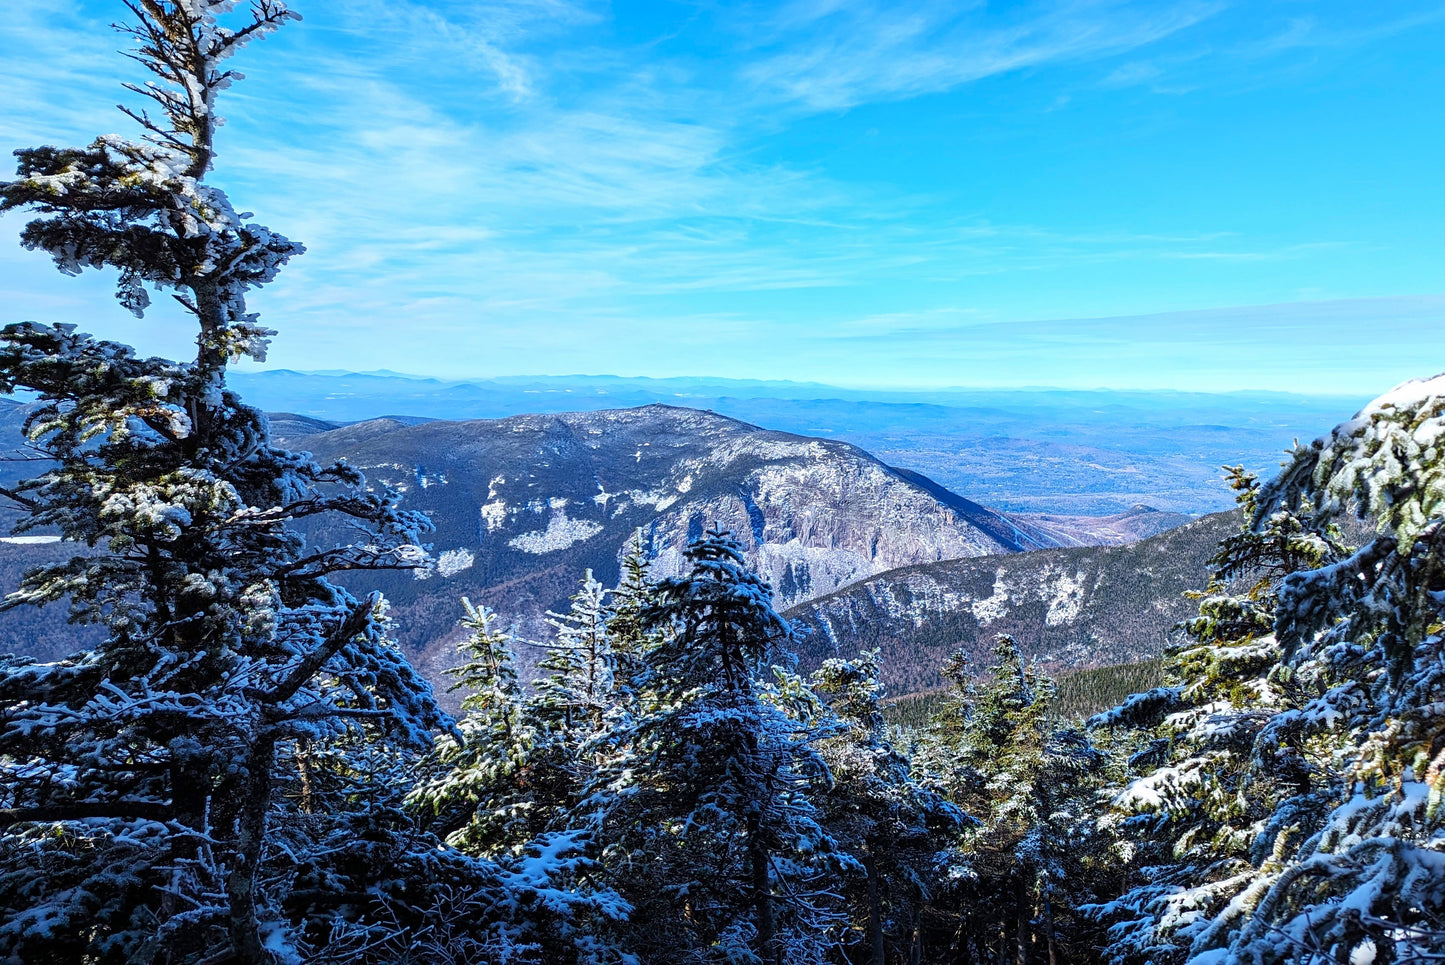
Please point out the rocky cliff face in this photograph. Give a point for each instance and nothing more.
(1068, 608)
(522, 506)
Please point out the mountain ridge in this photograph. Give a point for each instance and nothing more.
(1067, 607)
(1038, 450)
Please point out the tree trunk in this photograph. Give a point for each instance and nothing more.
(959, 944)
(762, 896)
(303, 769)
(1022, 908)
(1049, 932)
(255, 806)
(875, 911)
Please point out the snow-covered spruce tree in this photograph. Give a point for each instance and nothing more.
(577, 706)
(1322, 829)
(574, 697)
(500, 786)
(628, 630)
(475, 789)
(516, 769)
(1367, 884)
(140, 775)
(1030, 854)
(1204, 815)
(159, 796)
(1214, 810)
(520, 763)
(704, 808)
(892, 826)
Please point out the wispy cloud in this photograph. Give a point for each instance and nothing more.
(1205, 349)
(1310, 32)
(855, 54)
(514, 176)
(1278, 42)
(1234, 325)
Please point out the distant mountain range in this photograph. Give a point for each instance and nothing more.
(1030, 450)
(523, 506)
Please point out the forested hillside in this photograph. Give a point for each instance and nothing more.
(1066, 608)
(240, 765)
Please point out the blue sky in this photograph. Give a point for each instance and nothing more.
(1204, 195)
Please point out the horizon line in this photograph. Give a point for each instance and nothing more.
(733, 380)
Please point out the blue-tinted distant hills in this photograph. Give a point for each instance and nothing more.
(1032, 450)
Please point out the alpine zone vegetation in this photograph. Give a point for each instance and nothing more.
(247, 769)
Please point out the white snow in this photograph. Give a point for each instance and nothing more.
(494, 514)
(1067, 601)
(657, 499)
(452, 562)
(991, 609)
(561, 532)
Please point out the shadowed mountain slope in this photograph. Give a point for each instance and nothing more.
(1068, 608)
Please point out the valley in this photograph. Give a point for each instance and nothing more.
(1002, 544)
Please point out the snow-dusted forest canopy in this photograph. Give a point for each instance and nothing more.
(247, 769)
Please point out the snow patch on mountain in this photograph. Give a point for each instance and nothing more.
(426, 479)
(561, 532)
(452, 562)
(655, 498)
(447, 565)
(1067, 600)
(494, 514)
(994, 606)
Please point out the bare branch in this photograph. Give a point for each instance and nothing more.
(356, 621)
(25, 501)
(150, 810)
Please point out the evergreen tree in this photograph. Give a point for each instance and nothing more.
(487, 676)
(628, 629)
(891, 825)
(705, 810)
(477, 788)
(1367, 881)
(577, 692)
(1027, 861)
(1205, 811)
(208, 782)
(1301, 785)
(519, 764)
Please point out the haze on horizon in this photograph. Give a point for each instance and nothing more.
(1194, 194)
